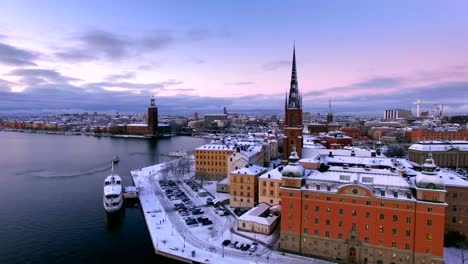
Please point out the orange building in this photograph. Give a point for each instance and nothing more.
(363, 215)
(211, 161)
(243, 186)
(269, 185)
(426, 134)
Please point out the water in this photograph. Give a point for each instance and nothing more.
(51, 198)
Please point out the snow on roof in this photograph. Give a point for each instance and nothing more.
(256, 215)
(250, 170)
(376, 178)
(434, 146)
(358, 160)
(452, 178)
(312, 152)
(272, 174)
(215, 147)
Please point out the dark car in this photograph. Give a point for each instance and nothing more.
(226, 242)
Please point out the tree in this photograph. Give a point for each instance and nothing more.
(396, 150)
(164, 172)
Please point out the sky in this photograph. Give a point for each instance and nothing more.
(201, 56)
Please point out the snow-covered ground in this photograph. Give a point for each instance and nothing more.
(170, 235)
(453, 255)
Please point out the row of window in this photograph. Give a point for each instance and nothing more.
(213, 163)
(354, 201)
(242, 193)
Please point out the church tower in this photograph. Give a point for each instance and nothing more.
(330, 114)
(293, 116)
(152, 118)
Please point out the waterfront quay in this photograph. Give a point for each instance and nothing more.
(172, 237)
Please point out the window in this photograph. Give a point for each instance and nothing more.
(366, 240)
(328, 188)
(264, 183)
(306, 207)
(317, 208)
(429, 222)
(272, 193)
(340, 236)
(327, 234)
(408, 220)
(318, 187)
(382, 193)
(345, 177)
(454, 208)
(306, 196)
(354, 213)
(455, 195)
(395, 218)
(407, 246)
(408, 195)
(271, 184)
(367, 214)
(381, 229)
(290, 205)
(328, 198)
(316, 232)
(395, 194)
(394, 231)
(306, 231)
(316, 221)
(382, 204)
(366, 227)
(429, 209)
(340, 224)
(367, 179)
(393, 244)
(327, 222)
(328, 210)
(368, 202)
(429, 236)
(341, 211)
(382, 216)
(454, 219)
(291, 194)
(354, 201)
(408, 233)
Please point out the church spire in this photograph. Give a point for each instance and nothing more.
(294, 97)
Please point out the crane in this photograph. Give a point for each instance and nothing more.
(418, 104)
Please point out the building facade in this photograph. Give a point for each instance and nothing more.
(397, 114)
(364, 216)
(430, 134)
(453, 154)
(211, 161)
(293, 115)
(269, 185)
(243, 186)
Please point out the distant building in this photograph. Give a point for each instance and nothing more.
(211, 161)
(392, 114)
(152, 118)
(215, 122)
(330, 114)
(447, 154)
(437, 133)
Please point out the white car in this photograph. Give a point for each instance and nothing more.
(253, 248)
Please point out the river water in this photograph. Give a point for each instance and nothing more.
(51, 198)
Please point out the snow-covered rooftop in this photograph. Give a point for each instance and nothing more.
(435, 146)
(250, 170)
(272, 174)
(259, 214)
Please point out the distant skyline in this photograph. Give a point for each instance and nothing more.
(107, 56)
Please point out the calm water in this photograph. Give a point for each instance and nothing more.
(51, 198)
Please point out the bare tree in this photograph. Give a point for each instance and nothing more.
(164, 172)
(462, 251)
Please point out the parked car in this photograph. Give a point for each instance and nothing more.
(226, 242)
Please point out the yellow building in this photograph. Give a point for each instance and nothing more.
(243, 186)
(269, 185)
(211, 161)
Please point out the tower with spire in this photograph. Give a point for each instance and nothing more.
(330, 114)
(293, 115)
(152, 117)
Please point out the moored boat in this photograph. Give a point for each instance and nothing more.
(113, 193)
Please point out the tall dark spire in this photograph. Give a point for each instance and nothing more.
(294, 97)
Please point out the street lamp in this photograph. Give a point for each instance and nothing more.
(184, 240)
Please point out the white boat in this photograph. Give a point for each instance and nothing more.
(113, 192)
(177, 154)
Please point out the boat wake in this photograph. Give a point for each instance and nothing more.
(54, 174)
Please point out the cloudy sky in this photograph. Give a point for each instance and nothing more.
(65, 56)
